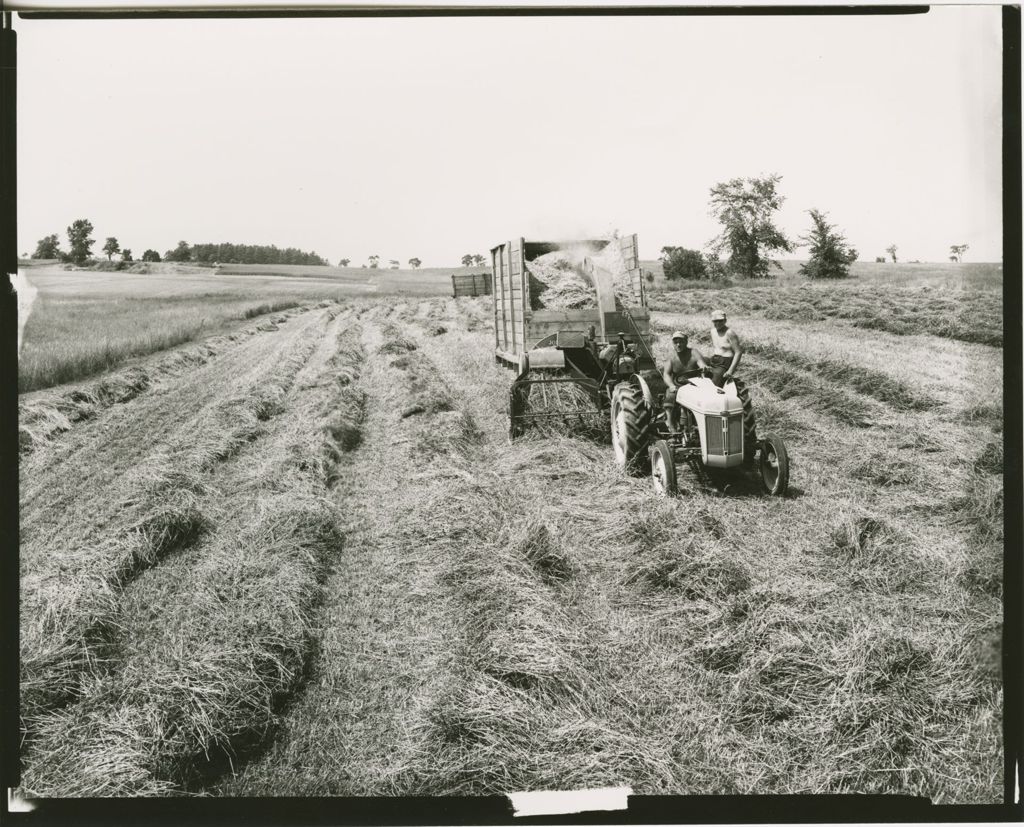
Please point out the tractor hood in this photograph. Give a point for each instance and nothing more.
(701, 396)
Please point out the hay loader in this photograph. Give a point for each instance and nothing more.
(567, 362)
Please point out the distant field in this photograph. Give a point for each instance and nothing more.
(426, 281)
(84, 323)
(968, 276)
(902, 308)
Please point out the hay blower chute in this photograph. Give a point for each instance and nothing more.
(569, 358)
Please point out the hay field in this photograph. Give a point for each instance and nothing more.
(85, 322)
(300, 557)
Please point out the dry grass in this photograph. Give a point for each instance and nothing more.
(159, 507)
(209, 644)
(524, 616)
(86, 324)
(967, 315)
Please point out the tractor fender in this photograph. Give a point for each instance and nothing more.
(645, 389)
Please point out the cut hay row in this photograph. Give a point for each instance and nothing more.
(43, 416)
(957, 376)
(868, 382)
(380, 643)
(961, 315)
(240, 642)
(828, 398)
(213, 641)
(66, 606)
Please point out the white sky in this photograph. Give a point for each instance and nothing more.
(443, 136)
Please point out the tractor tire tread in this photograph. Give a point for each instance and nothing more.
(639, 429)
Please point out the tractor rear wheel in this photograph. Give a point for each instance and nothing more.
(663, 469)
(774, 465)
(631, 429)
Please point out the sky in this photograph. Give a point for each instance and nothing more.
(438, 137)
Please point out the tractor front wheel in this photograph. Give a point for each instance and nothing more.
(774, 465)
(631, 428)
(663, 469)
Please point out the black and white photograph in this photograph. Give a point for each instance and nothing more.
(484, 402)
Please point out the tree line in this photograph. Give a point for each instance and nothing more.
(80, 243)
(745, 207)
(226, 253)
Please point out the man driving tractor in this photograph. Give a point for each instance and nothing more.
(685, 361)
(680, 366)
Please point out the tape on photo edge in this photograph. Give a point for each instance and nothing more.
(562, 802)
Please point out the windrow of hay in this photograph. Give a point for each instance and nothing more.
(831, 400)
(344, 424)
(962, 315)
(67, 615)
(234, 648)
(160, 509)
(211, 643)
(44, 416)
(871, 383)
(514, 714)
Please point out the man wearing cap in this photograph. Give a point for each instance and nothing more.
(727, 349)
(683, 361)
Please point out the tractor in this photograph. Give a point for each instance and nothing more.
(711, 434)
(576, 365)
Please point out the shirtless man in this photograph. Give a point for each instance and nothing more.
(727, 350)
(683, 361)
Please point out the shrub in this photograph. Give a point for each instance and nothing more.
(830, 254)
(681, 263)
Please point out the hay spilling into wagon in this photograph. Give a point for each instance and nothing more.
(560, 280)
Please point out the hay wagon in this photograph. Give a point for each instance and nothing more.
(520, 330)
(471, 284)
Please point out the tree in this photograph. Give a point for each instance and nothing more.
(180, 253)
(151, 255)
(80, 239)
(374, 261)
(745, 208)
(467, 260)
(891, 250)
(48, 247)
(680, 263)
(830, 253)
(478, 260)
(344, 262)
(957, 252)
(111, 246)
(126, 254)
(415, 263)
(393, 264)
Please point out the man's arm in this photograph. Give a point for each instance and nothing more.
(700, 359)
(666, 374)
(737, 352)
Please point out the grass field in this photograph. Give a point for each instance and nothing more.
(298, 556)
